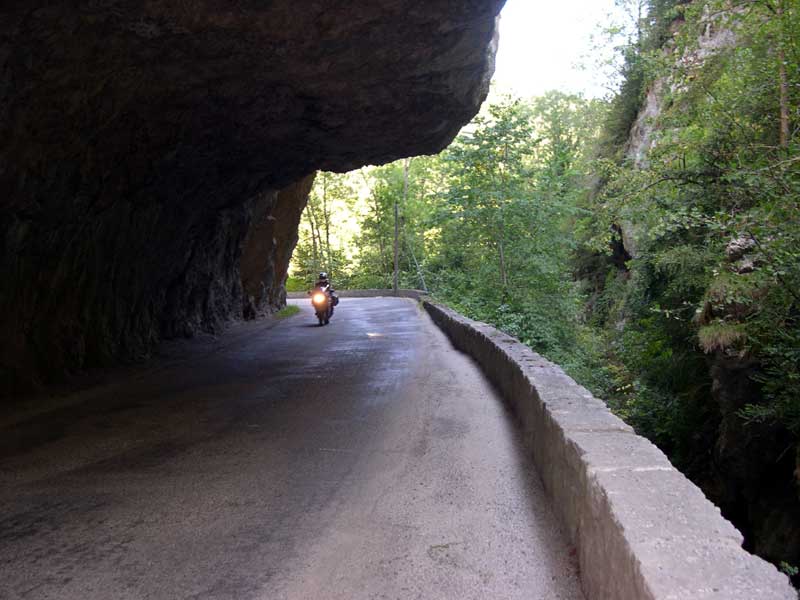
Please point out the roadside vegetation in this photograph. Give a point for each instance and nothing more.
(287, 311)
(657, 258)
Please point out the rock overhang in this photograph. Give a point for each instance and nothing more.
(138, 136)
(328, 85)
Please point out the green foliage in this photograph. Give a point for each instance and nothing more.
(327, 230)
(716, 176)
(501, 252)
(287, 311)
(295, 284)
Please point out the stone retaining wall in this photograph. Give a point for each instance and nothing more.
(415, 294)
(642, 530)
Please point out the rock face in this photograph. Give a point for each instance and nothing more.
(269, 245)
(751, 479)
(139, 139)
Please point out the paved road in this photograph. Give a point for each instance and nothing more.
(366, 459)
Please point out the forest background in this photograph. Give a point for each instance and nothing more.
(648, 242)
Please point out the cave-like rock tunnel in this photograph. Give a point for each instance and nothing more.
(155, 156)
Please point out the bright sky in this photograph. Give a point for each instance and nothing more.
(541, 43)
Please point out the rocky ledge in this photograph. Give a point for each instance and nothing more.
(155, 156)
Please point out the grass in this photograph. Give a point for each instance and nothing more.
(287, 311)
(719, 336)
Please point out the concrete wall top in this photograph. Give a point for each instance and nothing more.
(643, 530)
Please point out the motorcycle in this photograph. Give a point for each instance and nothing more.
(322, 300)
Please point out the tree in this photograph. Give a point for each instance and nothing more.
(327, 227)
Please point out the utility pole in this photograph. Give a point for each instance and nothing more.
(397, 229)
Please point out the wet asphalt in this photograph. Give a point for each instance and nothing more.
(364, 459)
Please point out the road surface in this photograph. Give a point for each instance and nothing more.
(365, 459)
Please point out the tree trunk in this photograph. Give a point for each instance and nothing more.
(327, 223)
(316, 240)
(396, 272)
(502, 232)
(381, 244)
(378, 222)
(419, 270)
(381, 241)
(783, 81)
(503, 268)
(784, 137)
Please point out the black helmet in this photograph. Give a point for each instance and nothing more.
(323, 275)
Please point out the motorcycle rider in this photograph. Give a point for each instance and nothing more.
(323, 281)
(324, 284)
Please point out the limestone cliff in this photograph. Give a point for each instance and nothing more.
(142, 145)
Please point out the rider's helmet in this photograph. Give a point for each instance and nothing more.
(323, 276)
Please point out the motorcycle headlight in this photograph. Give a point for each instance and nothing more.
(319, 299)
